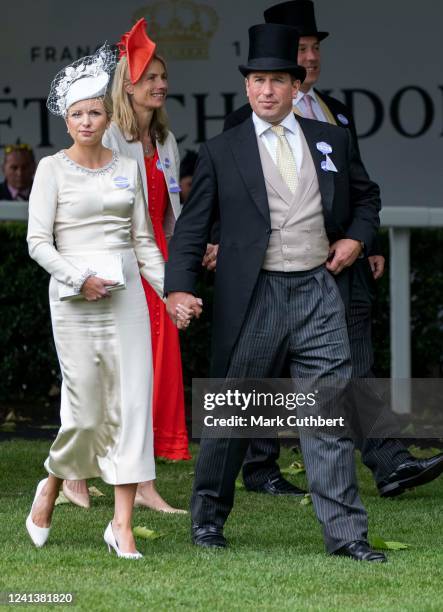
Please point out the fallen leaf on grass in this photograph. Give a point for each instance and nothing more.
(12, 417)
(295, 468)
(61, 499)
(307, 500)
(410, 429)
(94, 492)
(147, 534)
(378, 542)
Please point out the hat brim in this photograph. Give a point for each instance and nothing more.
(320, 35)
(272, 64)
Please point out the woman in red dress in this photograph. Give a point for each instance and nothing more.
(139, 130)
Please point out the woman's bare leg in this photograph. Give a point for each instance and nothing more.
(122, 521)
(44, 504)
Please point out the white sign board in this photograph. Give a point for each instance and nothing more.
(382, 58)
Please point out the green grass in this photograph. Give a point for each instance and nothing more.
(276, 559)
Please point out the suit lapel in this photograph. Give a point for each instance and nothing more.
(314, 133)
(244, 147)
(329, 113)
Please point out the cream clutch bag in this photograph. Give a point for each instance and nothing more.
(104, 265)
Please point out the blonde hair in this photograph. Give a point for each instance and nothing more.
(107, 105)
(124, 115)
(106, 101)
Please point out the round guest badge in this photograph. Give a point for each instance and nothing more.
(167, 162)
(324, 147)
(121, 182)
(159, 165)
(173, 186)
(343, 119)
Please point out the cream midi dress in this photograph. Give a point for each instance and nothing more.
(103, 346)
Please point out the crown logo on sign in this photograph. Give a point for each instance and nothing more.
(182, 29)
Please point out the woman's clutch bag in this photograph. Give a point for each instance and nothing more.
(108, 266)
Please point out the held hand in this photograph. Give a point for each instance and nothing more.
(377, 263)
(184, 316)
(95, 288)
(187, 302)
(210, 258)
(342, 254)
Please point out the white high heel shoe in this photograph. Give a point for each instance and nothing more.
(38, 535)
(110, 540)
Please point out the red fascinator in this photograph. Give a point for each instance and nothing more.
(138, 48)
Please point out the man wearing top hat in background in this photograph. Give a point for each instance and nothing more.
(393, 467)
(294, 203)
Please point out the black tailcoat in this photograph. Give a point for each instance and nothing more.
(229, 184)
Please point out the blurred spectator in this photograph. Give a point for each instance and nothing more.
(187, 167)
(18, 169)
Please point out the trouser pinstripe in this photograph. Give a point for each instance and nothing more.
(299, 317)
(381, 455)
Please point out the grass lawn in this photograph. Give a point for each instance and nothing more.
(275, 561)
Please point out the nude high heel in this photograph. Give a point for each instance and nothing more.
(79, 499)
(110, 540)
(142, 502)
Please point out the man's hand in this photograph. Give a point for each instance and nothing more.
(377, 263)
(210, 258)
(178, 303)
(342, 254)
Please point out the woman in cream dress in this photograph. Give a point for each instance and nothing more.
(140, 130)
(90, 199)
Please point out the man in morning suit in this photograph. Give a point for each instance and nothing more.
(289, 217)
(18, 169)
(393, 467)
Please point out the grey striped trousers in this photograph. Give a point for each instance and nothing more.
(297, 317)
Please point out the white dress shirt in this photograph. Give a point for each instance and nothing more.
(300, 104)
(270, 139)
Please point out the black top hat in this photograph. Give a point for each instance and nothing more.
(273, 48)
(298, 14)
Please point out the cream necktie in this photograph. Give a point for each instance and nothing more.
(285, 159)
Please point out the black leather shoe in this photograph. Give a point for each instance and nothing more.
(277, 486)
(208, 536)
(360, 551)
(411, 473)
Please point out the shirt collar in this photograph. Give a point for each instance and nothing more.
(300, 95)
(14, 192)
(261, 126)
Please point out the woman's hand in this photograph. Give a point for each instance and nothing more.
(183, 316)
(95, 288)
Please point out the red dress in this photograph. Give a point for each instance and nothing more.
(170, 435)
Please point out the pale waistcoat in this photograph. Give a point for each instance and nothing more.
(298, 239)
